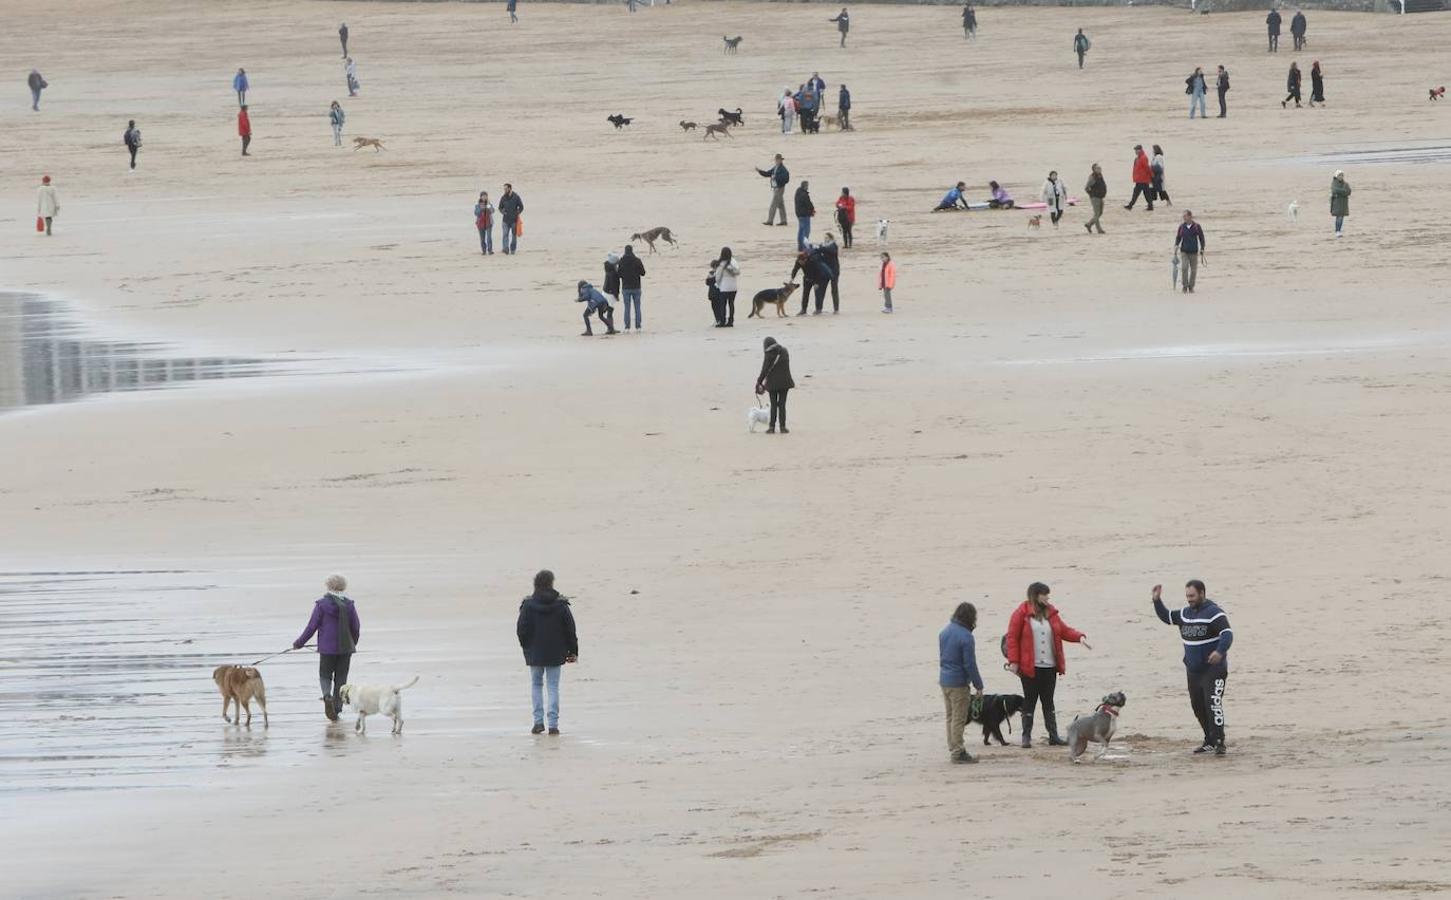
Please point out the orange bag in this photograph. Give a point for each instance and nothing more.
(519, 227)
(40, 223)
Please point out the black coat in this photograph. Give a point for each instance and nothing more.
(1273, 21)
(804, 207)
(776, 370)
(612, 279)
(832, 258)
(546, 629)
(1297, 25)
(510, 206)
(631, 271)
(815, 268)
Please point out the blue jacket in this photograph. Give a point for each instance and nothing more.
(588, 293)
(239, 82)
(957, 657)
(1203, 629)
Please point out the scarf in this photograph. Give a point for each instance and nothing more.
(346, 644)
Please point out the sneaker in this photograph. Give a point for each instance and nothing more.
(537, 729)
(962, 756)
(1207, 748)
(1219, 749)
(554, 731)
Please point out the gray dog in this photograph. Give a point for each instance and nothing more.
(1098, 728)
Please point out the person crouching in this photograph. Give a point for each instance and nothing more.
(595, 303)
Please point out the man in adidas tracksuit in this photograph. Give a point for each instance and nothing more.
(1204, 629)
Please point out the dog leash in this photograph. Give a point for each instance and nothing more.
(288, 650)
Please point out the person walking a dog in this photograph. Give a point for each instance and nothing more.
(1190, 245)
(780, 177)
(775, 380)
(132, 139)
(886, 280)
(1143, 179)
(484, 222)
(843, 24)
(548, 638)
(843, 108)
(1035, 637)
(726, 273)
(632, 269)
(244, 129)
(1056, 196)
(511, 206)
(804, 211)
(846, 215)
(1297, 29)
(338, 629)
(1096, 189)
(957, 675)
(1205, 632)
(336, 117)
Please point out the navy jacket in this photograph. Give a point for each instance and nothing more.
(631, 270)
(546, 629)
(1190, 238)
(1203, 629)
(510, 206)
(804, 207)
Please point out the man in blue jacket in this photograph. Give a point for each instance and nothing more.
(1204, 629)
(958, 675)
(780, 177)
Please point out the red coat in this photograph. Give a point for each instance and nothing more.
(848, 203)
(1142, 173)
(244, 124)
(1020, 637)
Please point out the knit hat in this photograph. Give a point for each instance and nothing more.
(45, 179)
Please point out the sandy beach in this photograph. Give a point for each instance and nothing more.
(755, 712)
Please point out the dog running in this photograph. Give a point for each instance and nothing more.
(719, 128)
(1097, 728)
(361, 142)
(654, 234)
(241, 685)
(731, 118)
(618, 121)
(731, 43)
(370, 700)
(687, 126)
(778, 296)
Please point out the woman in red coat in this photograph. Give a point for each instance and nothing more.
(1035, 653)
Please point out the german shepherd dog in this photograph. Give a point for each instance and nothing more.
(654, 234)
(778, 296)
(731, 43)
(731, 118)
(241, 685)
(618, 121)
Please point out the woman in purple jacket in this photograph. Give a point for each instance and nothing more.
(335, 622)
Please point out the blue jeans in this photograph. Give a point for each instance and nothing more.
(35, 98)
(1199, 99)
(537, 675)
(803, 231)
(1339, 220)
(508, 237)
(631, 297)
(486, 239)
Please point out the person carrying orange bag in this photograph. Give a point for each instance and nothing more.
(511, 209)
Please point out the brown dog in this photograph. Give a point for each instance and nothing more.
(241, 685)
(1035, 221)
(719, 128)
(687, 126)
(361, 142)
(654, 234)
(778, 296)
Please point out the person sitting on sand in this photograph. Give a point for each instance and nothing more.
(596, 303)
(953, 199)
(1001, 199)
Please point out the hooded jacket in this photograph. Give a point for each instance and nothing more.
(804, 207)
(327, 623)
(831, 255)
(1020, 637)
(776, 369)
(588, 293)
(1339, 197)
(612, 275)
(546, 629)
(631, 270)
(1203, 629)
(957, 657)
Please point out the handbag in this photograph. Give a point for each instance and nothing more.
(40, 223)
(519, 227)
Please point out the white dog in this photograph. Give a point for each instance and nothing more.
(882, 231)
(369, 699)
(1293, 211)
(757, 415)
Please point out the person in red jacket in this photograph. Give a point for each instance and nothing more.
(1035, 654)
(846, 215)
(244, 128)
(1143, 178)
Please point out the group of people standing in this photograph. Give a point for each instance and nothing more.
(805, 104)
(1197, 87)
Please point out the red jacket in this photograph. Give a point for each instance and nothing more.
(1142, 173)
(848, 203)
(244, 124)
(1020, 637)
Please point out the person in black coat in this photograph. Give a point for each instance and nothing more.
(1297, 29)
(805, 209)
(775, 380)
(832, 257)
(548, 639)
(1292, 84)
(1272, 22)
(631, 270)
(816, 274)
(1222, 86)
(843, 108)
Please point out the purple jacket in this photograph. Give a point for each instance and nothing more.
(324, 623)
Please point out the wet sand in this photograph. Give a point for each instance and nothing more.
(755, 712)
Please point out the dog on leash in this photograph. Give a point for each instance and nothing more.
(687, 126)
(1035, 222)
(719, 128)
(882, 232)
(731, 118)
(731, 43)
(1293, 211)
(241, 685)
(1097, 728)
(757, 415)
(997, 709)
(371, 699)
(654, 234)
(618, 121)
(778, 296)
(361, 142)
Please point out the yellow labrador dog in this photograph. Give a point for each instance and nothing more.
(370, 699)
(241, 685)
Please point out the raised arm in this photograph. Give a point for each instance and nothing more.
(1166, 615)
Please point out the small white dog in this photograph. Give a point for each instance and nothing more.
(757, 415)
(369, 699)
(1293, 211)
(882, 231)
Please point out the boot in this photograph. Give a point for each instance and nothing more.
(1050, 722)
(1027, 740)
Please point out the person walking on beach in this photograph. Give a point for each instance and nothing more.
(47, 207)
(843, 24)
(511, 206)
(775, 381)
(484, 222)
(631, 271)
(335, 622)
(548, 638)
(1056, 196)
(843, 108)
(244, 129)
(132, 139)
(350, 72)
(786, 109)
(804, 211)
(832, 257)
(1272, 22)
(37, 83)
(1339, 201)
(1205, 631)
(1143, 179)
(240, 85)
(1156, 168)
(957, 675)
(1190, 244)
(513, 8)
(969, 21)
(1317, 84)
(886, 280)
(1297, 29)
(595, 303)
(780, 177)
(1221, 85)
(846, 215)
(1035, 637)
(1081, 43)
(1194, 86)
(1096, 189)
(726, 273)
(336, 117)
(1292, 84)
(343, 36)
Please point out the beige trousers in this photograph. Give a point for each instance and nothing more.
(955, 701)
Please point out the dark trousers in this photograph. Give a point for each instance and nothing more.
(345, 46)
(1080, 59)
(1206, 697)
(778, 407)
(246, 140)
(1039, 689)
(332, 668)
(726, 312)
(1157, 192)
(1146, 190)
(606, 314)
(806, 289)
(844, 115)
(1294, 94)
(835, 297)
(1055, 215)
(1223, 110)
(1299, 41)
(133, 155)
(841, 220)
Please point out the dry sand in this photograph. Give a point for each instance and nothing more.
(755, 713)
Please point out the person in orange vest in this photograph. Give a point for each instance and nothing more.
(244, 128)
(886, 280)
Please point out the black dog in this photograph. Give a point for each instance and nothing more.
(618, 120)
(997, 709)
(732, 118)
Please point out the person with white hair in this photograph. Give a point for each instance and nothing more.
(335, 622)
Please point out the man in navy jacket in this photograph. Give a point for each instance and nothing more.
(1204, 629)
